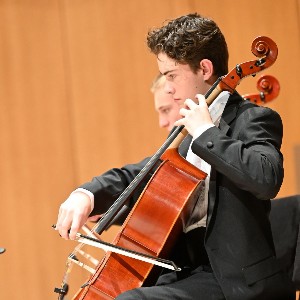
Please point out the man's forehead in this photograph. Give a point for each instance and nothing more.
(165, 63)
(163, 102)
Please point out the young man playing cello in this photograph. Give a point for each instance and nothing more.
(227, 244)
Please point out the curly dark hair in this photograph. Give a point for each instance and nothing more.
(188, 40)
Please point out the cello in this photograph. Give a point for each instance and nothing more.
(172, 190)
(268, 87)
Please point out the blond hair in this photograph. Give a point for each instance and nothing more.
(158, 83)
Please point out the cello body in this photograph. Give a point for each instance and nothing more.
(152, 227)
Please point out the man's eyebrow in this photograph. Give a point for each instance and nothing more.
(164, 106)
(166, 73)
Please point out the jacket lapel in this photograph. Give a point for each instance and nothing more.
(227, 118)
(230, 111)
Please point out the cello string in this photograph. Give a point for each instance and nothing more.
(89, 257)
(81, 264)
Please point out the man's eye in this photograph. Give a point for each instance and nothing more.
(166, 111)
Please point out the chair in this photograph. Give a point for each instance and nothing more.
(285, 220)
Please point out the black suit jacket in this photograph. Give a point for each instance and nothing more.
(247, 171)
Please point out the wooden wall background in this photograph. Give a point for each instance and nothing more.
(75, 101)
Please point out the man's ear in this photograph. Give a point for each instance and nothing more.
(207, 68)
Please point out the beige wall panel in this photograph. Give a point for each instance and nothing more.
(112, 70)
(75, 101)
(36, 147)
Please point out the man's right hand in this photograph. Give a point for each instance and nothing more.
(73, 214)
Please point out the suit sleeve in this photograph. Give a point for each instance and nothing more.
(108, 186)
(249, 155)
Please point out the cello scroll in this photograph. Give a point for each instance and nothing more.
(268, 87)
(262, 47)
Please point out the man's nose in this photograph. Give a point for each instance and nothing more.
(168, 88)
(163, 122)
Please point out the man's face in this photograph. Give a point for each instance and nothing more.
(181, 81)
(167, 108)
